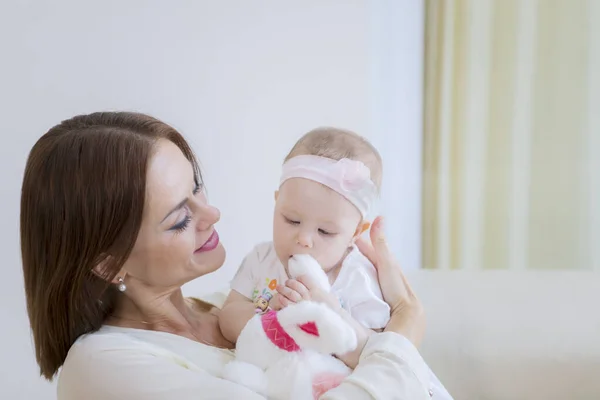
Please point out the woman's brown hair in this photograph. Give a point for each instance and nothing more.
(82, 201)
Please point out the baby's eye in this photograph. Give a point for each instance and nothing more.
(324, 232)
(291, 221)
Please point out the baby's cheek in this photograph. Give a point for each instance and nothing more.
(281, 239)
(279, 248)
(330, 259)
(333, 254)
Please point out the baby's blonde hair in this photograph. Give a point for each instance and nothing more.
(336, 143)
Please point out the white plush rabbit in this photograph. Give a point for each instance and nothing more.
(287, 354)
(303, 264)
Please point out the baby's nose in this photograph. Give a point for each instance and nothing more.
(305, 240)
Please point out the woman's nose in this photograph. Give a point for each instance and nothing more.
(207, 216)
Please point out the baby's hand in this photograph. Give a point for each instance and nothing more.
(275, 302)
(305, 289)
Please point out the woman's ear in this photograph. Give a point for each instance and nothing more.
(101, 270)
(362, 227)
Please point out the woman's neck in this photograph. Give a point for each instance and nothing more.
(171, 313)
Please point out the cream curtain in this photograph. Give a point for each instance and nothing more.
(512, 134)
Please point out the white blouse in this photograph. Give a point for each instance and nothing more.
(124, 363)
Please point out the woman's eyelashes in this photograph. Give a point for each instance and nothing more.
(182, 225)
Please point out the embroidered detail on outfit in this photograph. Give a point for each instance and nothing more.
(272, 284)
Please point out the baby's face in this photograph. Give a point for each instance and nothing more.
(312, 219)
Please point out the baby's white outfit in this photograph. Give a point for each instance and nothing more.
(356, 286)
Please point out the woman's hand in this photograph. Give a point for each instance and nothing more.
(407, 316)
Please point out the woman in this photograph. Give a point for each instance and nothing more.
(114, 221)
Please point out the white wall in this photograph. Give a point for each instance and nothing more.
(396, 67)
(242, 80)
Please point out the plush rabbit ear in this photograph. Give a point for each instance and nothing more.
(315, 326)
(303, 264)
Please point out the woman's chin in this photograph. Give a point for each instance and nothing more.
(210, 261)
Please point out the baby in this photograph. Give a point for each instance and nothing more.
(329, 183)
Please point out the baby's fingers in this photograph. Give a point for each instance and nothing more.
(284, 302)
(286, 293)
(275, 303)
(298, 287)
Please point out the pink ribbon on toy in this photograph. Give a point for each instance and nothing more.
(276, 334)
(279, 337)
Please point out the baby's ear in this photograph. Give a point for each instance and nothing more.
(276, 194)
(363, 227)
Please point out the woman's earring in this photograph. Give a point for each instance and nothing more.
(122, 287)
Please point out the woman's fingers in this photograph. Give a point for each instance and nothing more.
(379, 243)
(407, 316)
(376, 249)
(365, 247)
(392, 281)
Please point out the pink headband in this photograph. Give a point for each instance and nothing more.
(350, 178)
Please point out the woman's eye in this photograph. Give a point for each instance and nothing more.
(181, 226)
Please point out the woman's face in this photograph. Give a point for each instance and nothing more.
(177, 241)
